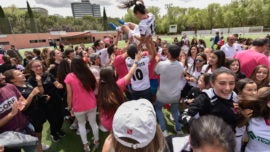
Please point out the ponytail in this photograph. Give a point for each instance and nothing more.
(138, 8)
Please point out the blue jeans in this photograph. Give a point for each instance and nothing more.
(160, 116)
(146, 94)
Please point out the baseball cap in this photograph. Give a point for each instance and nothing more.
(135, 120)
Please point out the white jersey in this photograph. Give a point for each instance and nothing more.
(104, 56)
(259, 136)
(140, 80)
(229, 51)
(147, 26)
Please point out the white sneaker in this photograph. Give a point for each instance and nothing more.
(87, 149)
(78, 132)
(45, 147)
(73, 126)
(171, 117)
(102, 128)
(165, 133)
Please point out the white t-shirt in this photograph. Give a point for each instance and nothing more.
(172, 81)
(140, 80)
(185, 48)
(104, 56)
(259, 136)
(194, 74)
(190, 60)
(204, 68)
(238, 47)
(229, 51)
(162, 57)
(147, 26)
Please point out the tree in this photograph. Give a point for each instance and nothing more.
(33, 26)
(105, 20)
(5, 27)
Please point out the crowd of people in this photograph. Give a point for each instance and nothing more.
(220, 93)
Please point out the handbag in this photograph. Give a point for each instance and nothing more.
(12, 139)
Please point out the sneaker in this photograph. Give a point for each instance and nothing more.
(45, 147)
(73, 126)
(61, 134)
(121, 21)
(96, 145)
(115, 27)
(171, 117)
(165, 133)
(102, 128)
(55, 138)
(78, 132)
(86, 148)
(112, 26)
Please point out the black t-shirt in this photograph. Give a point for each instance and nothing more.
(37, 103)
(53, 71)
(47, 83)
(6, 66)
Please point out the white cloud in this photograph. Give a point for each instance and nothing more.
(56, 3)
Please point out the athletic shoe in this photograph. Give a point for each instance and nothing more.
(171, 117)
(121, 21)
(73, 126)
(55, 138)
(96, 145)
(112, 26)
(87, 149)
(45, 147)
(165, 133)
(102, 128)
(61, 134)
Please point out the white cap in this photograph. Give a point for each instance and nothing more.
(135, 120)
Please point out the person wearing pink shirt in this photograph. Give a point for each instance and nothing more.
(80, 84)
(110, 95)
(253, 57)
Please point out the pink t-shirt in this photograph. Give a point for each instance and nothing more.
(106, 120)
(120, 66)
(249, 59)
(82, 100)
(151, 67)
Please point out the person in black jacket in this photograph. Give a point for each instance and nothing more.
(218, 100)
(202, 84)
(53, 109)
(35, 111)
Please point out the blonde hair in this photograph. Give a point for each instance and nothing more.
(158, 144)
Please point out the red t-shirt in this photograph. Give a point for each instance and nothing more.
(8, 95)
(120, 66)
(249, 59)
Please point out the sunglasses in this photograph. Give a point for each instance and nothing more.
(198, 60)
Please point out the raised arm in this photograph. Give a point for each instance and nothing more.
(133, 68)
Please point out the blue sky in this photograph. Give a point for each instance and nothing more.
(62, 7)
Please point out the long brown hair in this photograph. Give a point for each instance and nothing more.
(264, 97)
(110, 96)
(264, 82)
(83, 73)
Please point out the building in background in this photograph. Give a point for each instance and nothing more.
(39, 10)
(85, 8)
